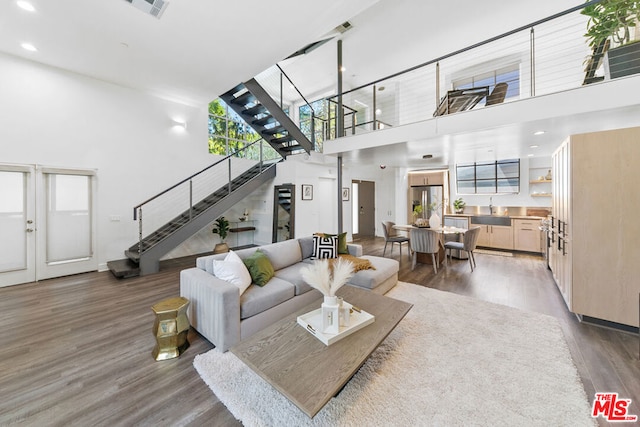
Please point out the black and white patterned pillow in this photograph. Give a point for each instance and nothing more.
(325, 247)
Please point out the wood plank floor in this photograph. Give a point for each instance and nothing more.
(77, 350)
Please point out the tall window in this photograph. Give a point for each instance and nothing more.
(228, 133)
(509, 74)
(501, 176)
(324, 123)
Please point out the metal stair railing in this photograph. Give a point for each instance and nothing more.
(186, 196)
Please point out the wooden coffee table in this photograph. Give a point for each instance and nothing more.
(305, 370)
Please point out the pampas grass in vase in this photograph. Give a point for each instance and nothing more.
(321, 277)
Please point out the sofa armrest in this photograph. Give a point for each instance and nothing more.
(355, 250)
(214, 310)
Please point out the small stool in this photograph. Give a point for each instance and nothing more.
(170, 328)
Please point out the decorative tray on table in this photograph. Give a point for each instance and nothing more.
(312, 322)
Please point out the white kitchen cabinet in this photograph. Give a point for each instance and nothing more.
(527, 235)
(594, 252)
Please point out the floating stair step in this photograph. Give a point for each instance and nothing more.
(291, 148)
(124, 268)
(282, 139)
(235, 90)
(264, 121)
(254, 111)
(244, 99)
(274, 130)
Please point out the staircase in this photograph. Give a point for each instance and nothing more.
(252, 102)
(256, 107)
(144, 257)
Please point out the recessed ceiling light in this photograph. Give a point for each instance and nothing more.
(343, 69)
(29, 47)
(540, 132)
(378, 111)
(533, 146)
(22, 4)
(530, 155)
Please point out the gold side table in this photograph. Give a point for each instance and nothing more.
(170, 328)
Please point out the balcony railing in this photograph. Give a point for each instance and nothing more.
(547, 56)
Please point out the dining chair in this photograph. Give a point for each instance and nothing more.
(468, 245)
(498, 94)
(425, 241)
(392, 236)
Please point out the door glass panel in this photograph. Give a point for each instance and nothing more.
(13, 221)
(68, 218)
(355, 217)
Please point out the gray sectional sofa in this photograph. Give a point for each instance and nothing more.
(224, 317)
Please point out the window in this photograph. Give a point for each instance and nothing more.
(509, 74)
(323, 123)
(228, 133)
(502, 176)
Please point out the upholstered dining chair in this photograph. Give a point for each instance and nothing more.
(392, 236)
(468, 244)
(498, 94)
(425, 241)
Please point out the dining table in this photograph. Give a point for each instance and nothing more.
(442, 230)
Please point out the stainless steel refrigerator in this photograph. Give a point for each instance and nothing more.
(425, 195)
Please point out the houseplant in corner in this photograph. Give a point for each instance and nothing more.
(616, 21)
(458, 205)
(222, 229)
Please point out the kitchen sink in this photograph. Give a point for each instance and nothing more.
(491, 220)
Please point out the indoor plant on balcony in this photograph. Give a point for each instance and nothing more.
(616, 21)
(222, 229)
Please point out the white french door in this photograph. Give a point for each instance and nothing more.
(47, 223)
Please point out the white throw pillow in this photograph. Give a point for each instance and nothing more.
(233, 270)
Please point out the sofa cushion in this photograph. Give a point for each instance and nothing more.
(257, 299)
(232, 270)
(370, 279)
(283, 254)
(292, 275)
(259, 267)
(306, 246)
(325, 247)
(342, 241)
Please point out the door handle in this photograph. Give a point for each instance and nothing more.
(29, 230)
(29, 221)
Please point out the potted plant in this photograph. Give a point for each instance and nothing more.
(458, 205)
(613, 23)
(222, 229)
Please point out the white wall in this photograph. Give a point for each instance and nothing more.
(56, 118)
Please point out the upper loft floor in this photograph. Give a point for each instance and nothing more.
(557, 80)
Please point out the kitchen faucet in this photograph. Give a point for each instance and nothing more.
(491, 205)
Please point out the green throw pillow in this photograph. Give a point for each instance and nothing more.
(259, 267)
(342, 241)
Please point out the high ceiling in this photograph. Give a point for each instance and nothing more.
(199, 49)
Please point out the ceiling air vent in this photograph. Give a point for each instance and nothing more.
(346, 25)
(152, 7)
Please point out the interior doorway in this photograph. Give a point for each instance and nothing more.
(47, 220)
(363, 216)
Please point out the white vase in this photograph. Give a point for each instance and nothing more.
(434, 221)
(330, 315)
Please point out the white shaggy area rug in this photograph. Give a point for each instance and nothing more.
(452, 361)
